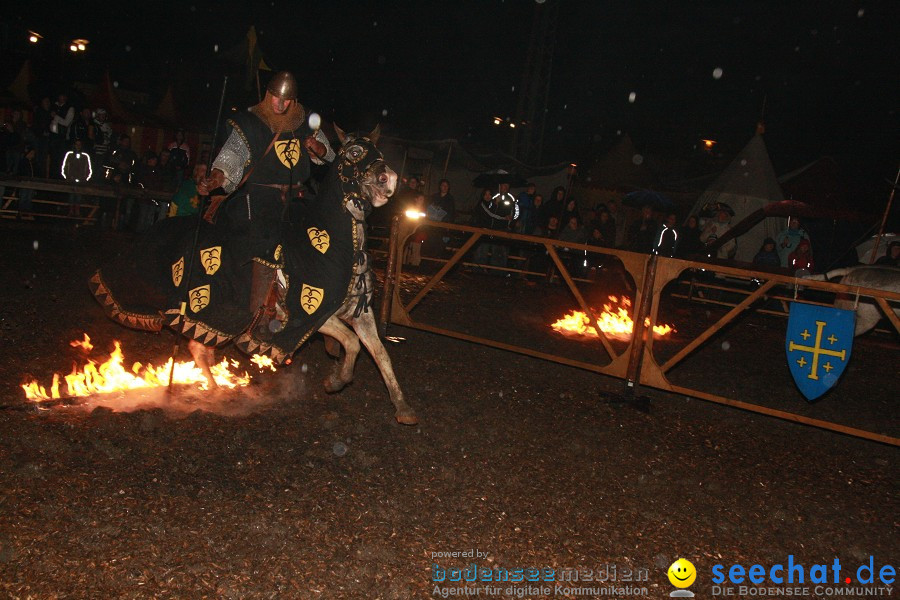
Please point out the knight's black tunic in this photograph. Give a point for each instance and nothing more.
(257, 210)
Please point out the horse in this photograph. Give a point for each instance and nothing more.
(333, 229)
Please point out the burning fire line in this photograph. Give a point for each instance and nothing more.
(112, 376)
(614, 322)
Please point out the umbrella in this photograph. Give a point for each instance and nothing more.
(711, 209)
(648, 198)
(491, 179)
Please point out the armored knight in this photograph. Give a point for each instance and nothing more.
(262, 164)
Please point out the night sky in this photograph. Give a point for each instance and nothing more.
(430, 70)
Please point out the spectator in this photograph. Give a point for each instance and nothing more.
(28, 167)
(556, 203)
(538, 217)
(689, 243)
(788, 240)
(570, 210)
(801, 258)
(618, 214)
(642, 233)
(441, 208)
(495, 212)
(716, 228)
(767, 255)
(40, 127)
(83, 129)
(18, 136)
(526, 207)
(103, 133)
(122, 158)
(76, 169)
(180, 152)
(667, 238)
(891, 258)
(573, 259)
(62, 116)
(166, 170)
(186, 201)
(604, 232)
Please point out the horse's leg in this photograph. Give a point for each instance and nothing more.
(367, 331)
(204, 357)
(343, 370)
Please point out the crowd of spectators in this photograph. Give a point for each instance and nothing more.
(77, 144)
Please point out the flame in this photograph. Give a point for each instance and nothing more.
(86, 344)
(112, 376)
(614, 322)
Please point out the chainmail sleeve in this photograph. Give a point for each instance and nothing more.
(329, 151)
(234, 156)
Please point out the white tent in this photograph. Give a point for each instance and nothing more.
(748, 184)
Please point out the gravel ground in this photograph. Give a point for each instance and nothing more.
(283, 491)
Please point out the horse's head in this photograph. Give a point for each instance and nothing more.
(359, 156)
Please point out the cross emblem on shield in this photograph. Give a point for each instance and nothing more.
(818, 343)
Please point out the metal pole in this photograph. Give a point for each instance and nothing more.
(887, 210)
(190, 265)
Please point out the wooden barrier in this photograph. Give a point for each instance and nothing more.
(637, 365)
(58, 186)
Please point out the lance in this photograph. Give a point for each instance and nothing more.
(190, 265)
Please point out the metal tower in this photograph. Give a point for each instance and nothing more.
(531, 109)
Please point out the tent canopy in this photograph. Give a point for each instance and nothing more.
(747, 185)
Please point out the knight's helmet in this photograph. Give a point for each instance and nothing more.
(283, 85)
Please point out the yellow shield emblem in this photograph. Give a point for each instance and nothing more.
(319, 238)
(199, 298)
(211, 259)
(178, 271)
(310, 298)
(288, 152)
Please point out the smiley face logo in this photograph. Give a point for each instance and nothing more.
(682, 573)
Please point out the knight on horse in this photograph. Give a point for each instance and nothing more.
(246, 275)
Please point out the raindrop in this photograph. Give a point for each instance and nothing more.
(35, 244)
(381, 59)
(618, 132)
(374, 23)
(637, 159)
(559, 127)
(796, 48)
(193, 8)
(127, 48)
(860, 13)
(717, 73)
(513, 88)
(726, 346)
(216, 48)
(115, 84)
(746, 174)
(565, 106)
(758, 77)
(814, 32)
(384, 112)
(339, 449)
(500, 393)
(207, 85)
(857, 82)
(743, 162)
(632, 97)
(304, 368)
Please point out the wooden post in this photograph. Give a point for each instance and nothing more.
(641, 311)
(390, 276)
(887, 210)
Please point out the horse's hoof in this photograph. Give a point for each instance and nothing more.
(333, 385)
(407, 418)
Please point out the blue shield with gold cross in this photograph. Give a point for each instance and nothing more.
(818, 343)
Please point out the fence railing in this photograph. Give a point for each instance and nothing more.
(637, 364)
